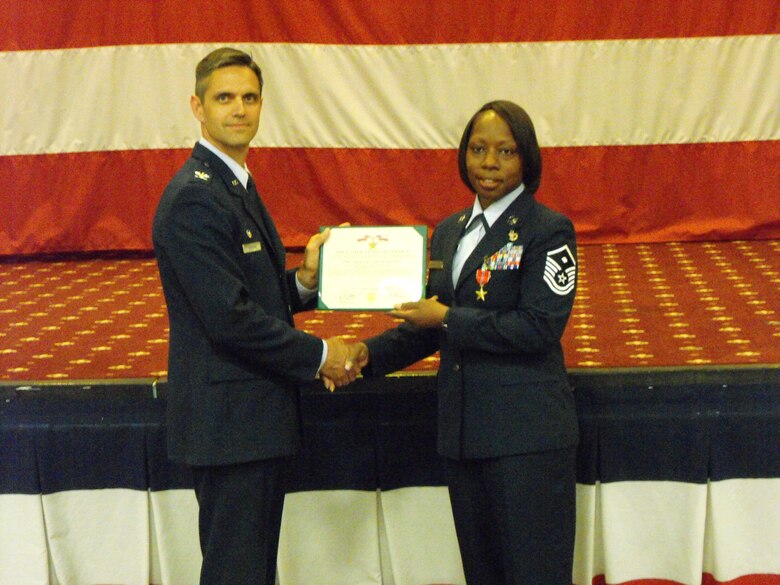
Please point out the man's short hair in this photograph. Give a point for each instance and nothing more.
(223, 57)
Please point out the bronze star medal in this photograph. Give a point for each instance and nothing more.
(483, 276)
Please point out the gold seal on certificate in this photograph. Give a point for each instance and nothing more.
(372, 268)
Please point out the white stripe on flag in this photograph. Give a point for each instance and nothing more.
(624, 92)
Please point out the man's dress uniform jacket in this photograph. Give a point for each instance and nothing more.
(235, 357)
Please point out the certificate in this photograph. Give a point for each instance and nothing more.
(372, 268)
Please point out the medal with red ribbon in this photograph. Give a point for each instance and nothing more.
(483, 276)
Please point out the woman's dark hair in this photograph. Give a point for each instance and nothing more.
(522, 128)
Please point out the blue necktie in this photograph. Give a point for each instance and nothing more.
(275, 242)
(474, 232)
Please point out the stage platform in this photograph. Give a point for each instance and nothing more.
(637, 306)
(673, 350)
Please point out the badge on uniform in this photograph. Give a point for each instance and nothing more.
(203, 176)
(483, 277)
(507, 258)
(560, 270)
(252, 247)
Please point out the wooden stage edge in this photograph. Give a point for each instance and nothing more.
(651, 377)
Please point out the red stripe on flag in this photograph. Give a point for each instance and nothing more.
(613, 194)
(83, 201)
(106, 200)
(666, 192)
(51, 24)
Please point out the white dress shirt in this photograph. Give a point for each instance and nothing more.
(475, 231)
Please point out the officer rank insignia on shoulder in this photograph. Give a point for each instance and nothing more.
(202, 175)
(560, 270)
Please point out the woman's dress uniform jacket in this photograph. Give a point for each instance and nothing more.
(502, 384)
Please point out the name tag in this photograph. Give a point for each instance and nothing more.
(252, 247)
(436, 265)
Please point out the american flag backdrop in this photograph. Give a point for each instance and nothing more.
(659, 120)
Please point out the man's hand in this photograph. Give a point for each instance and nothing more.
(309, 272)
(358, 354)
(358, 357)
(338, 369)
(426, 313)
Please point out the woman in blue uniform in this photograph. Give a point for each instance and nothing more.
(501, 287)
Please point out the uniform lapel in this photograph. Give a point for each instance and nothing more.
(254, 204)
(251, 202)
(485, 247)
(496, 237)
(450, 241)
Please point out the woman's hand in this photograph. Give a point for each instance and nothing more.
(426, 313)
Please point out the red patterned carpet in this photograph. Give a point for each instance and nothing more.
(642, 305)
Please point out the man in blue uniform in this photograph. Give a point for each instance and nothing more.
(235, 357)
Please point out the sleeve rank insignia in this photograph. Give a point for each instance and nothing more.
(560, 270)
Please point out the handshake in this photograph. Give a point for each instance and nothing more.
(344, 362)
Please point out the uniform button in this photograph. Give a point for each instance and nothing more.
(456, 367)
